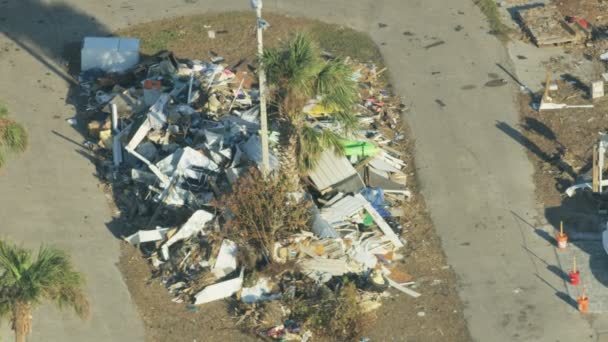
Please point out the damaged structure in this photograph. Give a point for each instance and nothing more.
(174, 135)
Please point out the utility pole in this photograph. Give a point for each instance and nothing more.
(257, 5)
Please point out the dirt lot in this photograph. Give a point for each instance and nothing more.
(594, 11)
(436, 316)
(560, 142)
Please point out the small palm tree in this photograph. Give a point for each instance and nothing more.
(298, 73)
(26, 281)
(12, 135)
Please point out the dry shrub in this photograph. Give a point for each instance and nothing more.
(260, 211)
(336, 315)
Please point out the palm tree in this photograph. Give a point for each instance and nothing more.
(12, 135)
(26, 281)
(298, 73)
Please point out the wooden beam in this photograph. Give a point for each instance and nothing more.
(595, 172)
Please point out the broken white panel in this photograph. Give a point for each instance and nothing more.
(174, 195)
(156, 114)
(336, 198)
(343, 209)
(155, 119)
(139, 135)
(364, 257)
(597, 89)
(402, 288)
(253, 149)
(147, 236)
(195, 224)
(322, 270)
(549, 106)
(220, 290)
(182, 161)
(226, 259)
(381, 164)
(332, 169)
(386, 229)
(111, 54)
(259, 293)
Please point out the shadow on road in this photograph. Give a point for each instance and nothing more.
(553, 159)
(584, 226)
(51, 32)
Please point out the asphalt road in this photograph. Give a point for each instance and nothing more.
(476, 179)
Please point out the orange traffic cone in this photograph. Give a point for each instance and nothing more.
(583, 301)
(562, 238)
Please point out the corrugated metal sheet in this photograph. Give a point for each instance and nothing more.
(330, 170)
(343, 209)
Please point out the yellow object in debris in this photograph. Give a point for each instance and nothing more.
(105, 138)
(317, 109)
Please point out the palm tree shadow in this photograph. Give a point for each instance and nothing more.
(517, 136)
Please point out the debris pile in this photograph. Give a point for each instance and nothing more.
(175, 136)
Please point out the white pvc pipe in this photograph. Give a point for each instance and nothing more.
(114, 118)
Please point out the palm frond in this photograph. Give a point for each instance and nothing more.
(13, 261)
(312, 143)
(336, 85)
(2, 159)
(303, 64)
(332, 140)
(270, 60)
(14, 137)
(62, 283)
(75, 298)
(50, 276)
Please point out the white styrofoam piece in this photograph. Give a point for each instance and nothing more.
(111, 54)
(220, 290)
(226, 259)
(147, 236)
(195, 224)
